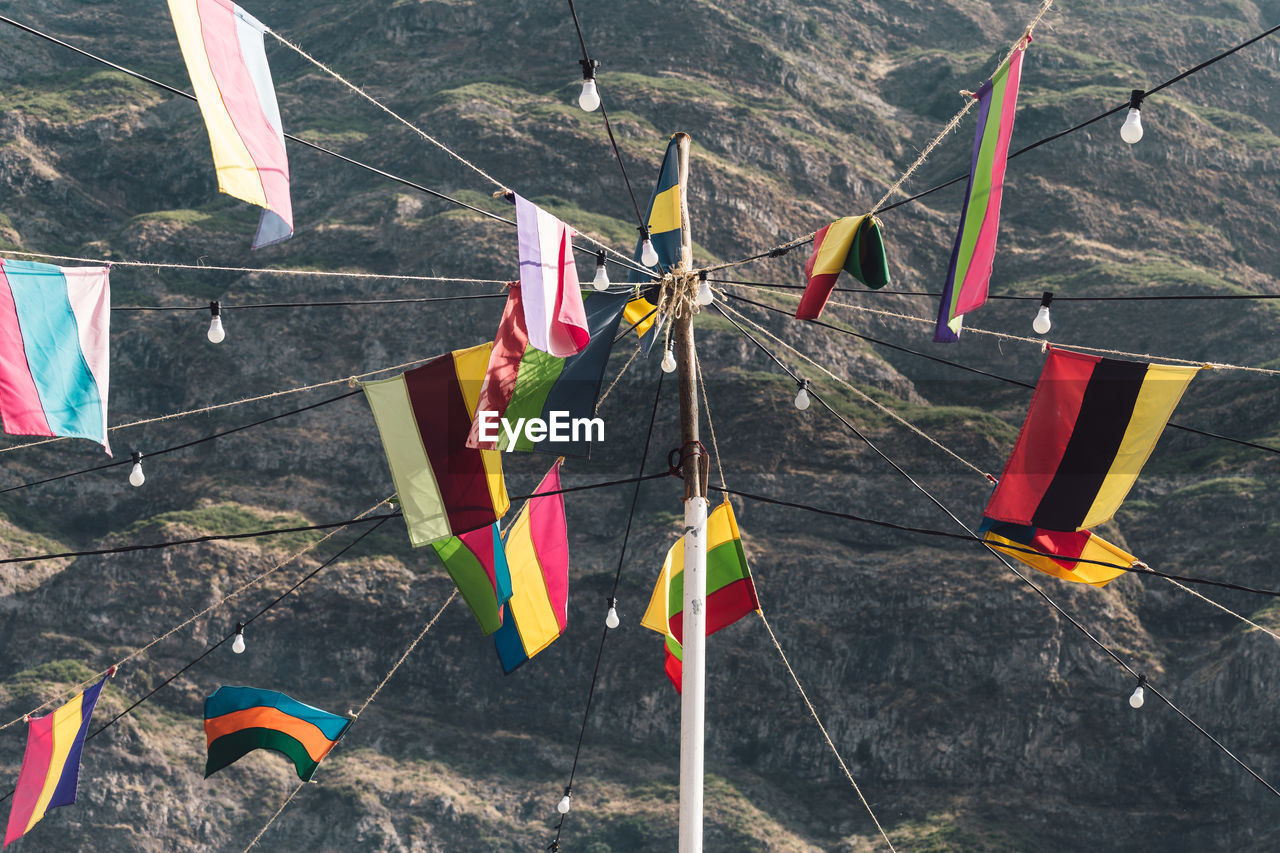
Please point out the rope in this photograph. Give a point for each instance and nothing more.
(284, 272)
(616, 379)
(202, 410)
(825, 734)
(1226, 609)
(356, 715)
(861, 394)
(706, 407)
(244, 587)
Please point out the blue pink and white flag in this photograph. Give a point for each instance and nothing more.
(975, 247)
(225, 56)
(54, 364)
(553, 311)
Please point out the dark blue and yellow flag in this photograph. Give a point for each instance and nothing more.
(663, 219)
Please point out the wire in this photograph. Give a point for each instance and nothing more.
(224, 307)
(965, 367)
(868, 292)
(1026, 580)
(182, 446)
(300, 141)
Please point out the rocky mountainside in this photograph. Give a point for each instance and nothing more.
(973, 716)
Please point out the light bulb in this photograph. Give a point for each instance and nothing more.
(564, 805)
(668, 362)
(1131, 130)
(589, 100)
(601, 281)
(705, 296)
(1135, 700)
(216, 332)
(802, 396)
(648, 254)
(611, 618)
(237, 644)
(136, 477)
(1041, 323)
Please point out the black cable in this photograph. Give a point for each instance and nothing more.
(1026, 580)
(183, 446)
(787, 247)
(124, 549)
(1242, 442)
(868, 292)
(332, 304)
(624, 332)
(613, 596)
(297, 139)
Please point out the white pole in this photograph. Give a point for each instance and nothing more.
(693, 674)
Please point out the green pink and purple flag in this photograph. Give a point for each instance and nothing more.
(975, 247)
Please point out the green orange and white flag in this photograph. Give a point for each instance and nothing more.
(424, 416)
(731, 593)
(853, 244)
(974, 251)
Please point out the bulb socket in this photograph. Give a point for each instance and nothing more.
(215, 308)
(804, 385)
(589, 67)
(600, 259)
(239, 627)
(1135, 99)
(137, 457)
(1046, 299)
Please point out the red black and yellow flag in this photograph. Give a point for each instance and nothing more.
(1092, 425)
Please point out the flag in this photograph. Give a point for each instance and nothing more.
(664, 220)
(478, 565)
(238, 720)
(423, 415)
(537, 545)
(1092, 424)
(54, 363)
(222, 46)
(524, 382)
(1068, 546)
(50, 771)
(731, 594)
(553, 312)
(974, 251)
(853, 243)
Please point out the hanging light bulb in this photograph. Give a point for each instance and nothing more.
(136, 477)
(705, 296)
(802, 396)
(611, 620)
(1041, 323)
(216, 332)
(1131, 130)
(566, 802)
(669, 361)
(237, 644)
(648, 254)
(601, 281)
(1136, 698)
(589, 100)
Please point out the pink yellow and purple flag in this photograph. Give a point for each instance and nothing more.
(537, 550)
(553, 312)
(50, 773)
(227, 61)
(54, 363)
(974, 251)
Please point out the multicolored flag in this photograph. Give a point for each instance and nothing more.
(1060, 551)
(1092, 424)
(54, 364)
(553, 313)
(238, 720)
(975, 246)
(537, 546)
(477, 562)
(222, 46)
(854, 244)
(731, 594)
(663, 219)
(50, 773)
(522, 382)
(424, 415)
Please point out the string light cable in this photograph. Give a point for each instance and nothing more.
(623, 259)
(861, 291)
(784, 248)
(1030, 583)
